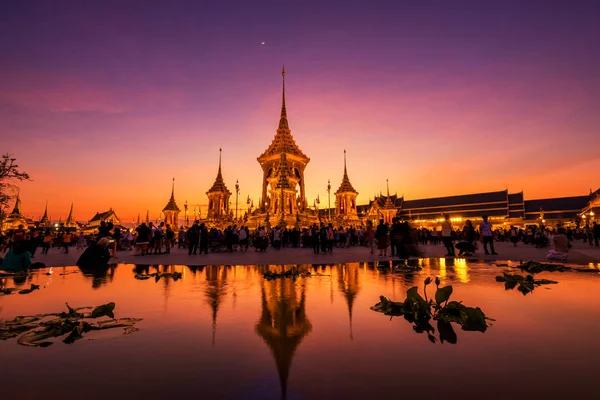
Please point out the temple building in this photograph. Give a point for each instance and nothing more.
(106, 216)
(501, 207)
(382, 208)
(171, 211)
(70, 221)
(345, 200)
(218, 198)
(45, 221)
(283, 197)
(15, 218)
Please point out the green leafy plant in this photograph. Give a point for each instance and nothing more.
(524, 284)
(420, 311)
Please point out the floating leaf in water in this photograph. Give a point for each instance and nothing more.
(524, 284)
(534, 267)
(35, 330)
(103, 310)
(31, 289)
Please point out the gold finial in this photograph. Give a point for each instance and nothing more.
(283, 71)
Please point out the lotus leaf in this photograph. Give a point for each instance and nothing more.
(31, 289)
(103, 310)
(443, 294)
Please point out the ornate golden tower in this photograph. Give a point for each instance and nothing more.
(218, 197)
(345, 198)
(388, 210)
(70, 222)
(15, 218)
(171, 211)
(283, 163)
(45, 221)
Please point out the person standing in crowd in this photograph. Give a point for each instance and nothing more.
(158, 238)
(487, 235)
(395, 237)
(47, 242)
(143, 239)
(514, 235)
(370, 235)
(169, 237)
(66, 240)
(381, 234)
(277, 238)
(330, 238)
(204, 239)
(193, 237)
(596, 230)
(243, 238)
(80, 241)
(314, 236)
(181, 238)
(447, 236)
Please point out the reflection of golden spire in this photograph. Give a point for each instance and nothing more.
(349, 286)
(283, 323)
(216, 289)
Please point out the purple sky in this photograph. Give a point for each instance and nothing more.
(102, 103)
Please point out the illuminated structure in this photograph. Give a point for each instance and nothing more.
(501, 207)
(171, 211)
(218, 198)
(15, 218)
(106, 216)
(382, 207)
(345, 200)
(283, 322)
(45, 221)
(283, 199)
(70, 221)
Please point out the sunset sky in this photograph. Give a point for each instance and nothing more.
(104, 102)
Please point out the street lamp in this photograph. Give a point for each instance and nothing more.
(237, 192)
(328, 200)
(185, 207)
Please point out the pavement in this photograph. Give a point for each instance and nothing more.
(581, 253)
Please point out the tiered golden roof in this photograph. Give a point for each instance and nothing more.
(283, 142)
(219, 185)
(346, 186)
(171, 205)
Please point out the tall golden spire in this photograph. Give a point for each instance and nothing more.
(220, 152)
(219, 185)
(283, 122)
(70, 217)
(346, 186)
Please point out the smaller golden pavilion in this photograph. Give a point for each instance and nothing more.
(70, 221)
(15, 218)
(45, 221)
(218, 198)
(171, 211)
(345, 200)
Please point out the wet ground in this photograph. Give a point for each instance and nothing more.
(226, 332)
